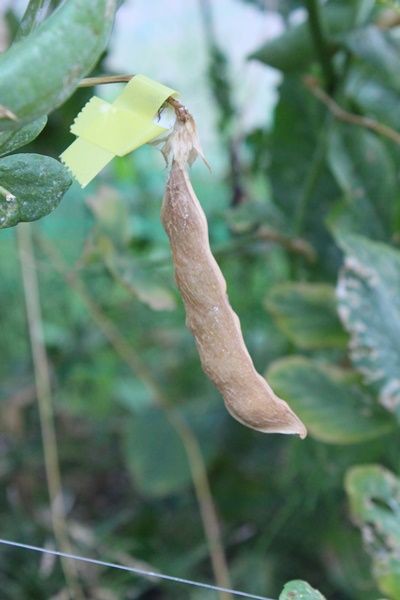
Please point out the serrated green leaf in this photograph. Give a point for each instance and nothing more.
(364, 170)
(306, 313)
(155, 453)
(300, 590)
(294, 49)
(39, 72)
(374, 495)
(12, 140)
(334, 408)
(369, 307)
(36, 184)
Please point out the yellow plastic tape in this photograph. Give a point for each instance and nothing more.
(106, 130)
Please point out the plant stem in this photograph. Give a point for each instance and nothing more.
(181, 111)
(347, 117)
(45, 406)
(321, 47)
(190, 443)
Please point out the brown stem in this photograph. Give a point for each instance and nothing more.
(45, 405)
(181, 111)
(190, 443)
(343, 115)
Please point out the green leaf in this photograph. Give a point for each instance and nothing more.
(366, 173)
(372, 95)
(300, 590)
(334, 408)
(369, 306)
(294, 49)
(111, 241)
(379, 49)
(39, 72)
(155, 453)
(302, 184)
(12, 140)
(36, 184)
(374, 494)
(306, 313)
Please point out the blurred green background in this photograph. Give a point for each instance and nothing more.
(293, 190)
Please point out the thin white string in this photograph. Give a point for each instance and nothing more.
(135, 570)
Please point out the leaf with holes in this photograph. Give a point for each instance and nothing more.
(32, 186)
(333, 406)
(369, 307)
(306, 313)
(374, 495)
(300, 590)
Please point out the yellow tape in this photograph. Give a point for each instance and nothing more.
(106, 130)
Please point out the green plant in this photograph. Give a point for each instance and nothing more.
(311, 255)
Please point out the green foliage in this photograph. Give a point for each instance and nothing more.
(322, 211)
(12, 140)
(334, 408)
(379, 50)
(374, 494)
(39, 72)
(294, 50)
(36, 184)
(306, 313)
(370, 310)
(300, 590)
(366, 173)
(161, 468)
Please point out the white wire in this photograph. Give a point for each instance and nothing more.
(137, 571)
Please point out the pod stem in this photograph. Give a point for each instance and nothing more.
(182, 113)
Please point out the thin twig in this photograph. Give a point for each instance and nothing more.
(343, 115)
(296, 245)
(45, 406)
(195, 459)
(180, 110)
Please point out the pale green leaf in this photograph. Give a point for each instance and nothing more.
(366, 173)
(334, 408)
(369, 306)
(306, 313)
(374, 495)
(300, 590)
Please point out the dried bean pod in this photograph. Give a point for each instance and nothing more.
(214, 324)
